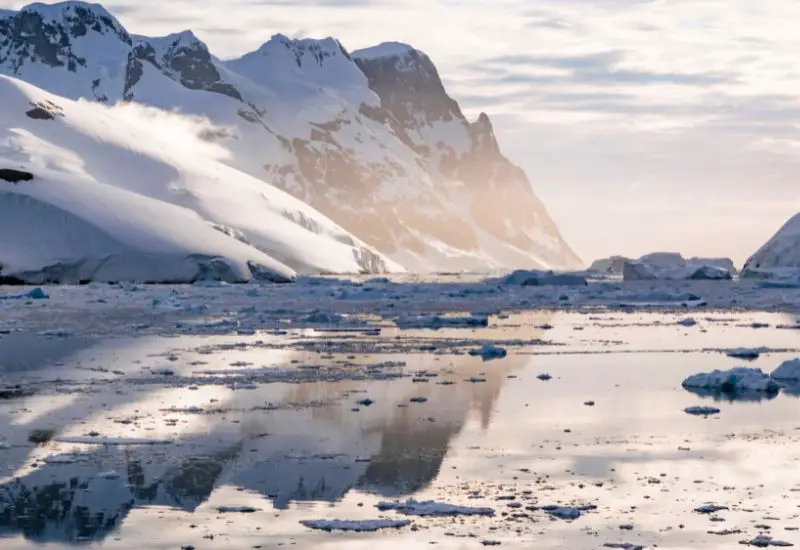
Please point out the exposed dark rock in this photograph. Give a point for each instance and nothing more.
(28, 37)
(14, 176)
(45, 110)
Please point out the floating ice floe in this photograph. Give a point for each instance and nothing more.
(489, 352)
(523, 277)
(710, 509)
(437, 322)
(162, 371)
(623, 546)
(746, 353)
(567, 512)
(740, 379)
(356, 526)
(701, 411)
(236, 509)
(60, 459)
(429, 508)
(764, 541)
(673, 267)
(114, 441)
(35, 294)
(788, 371)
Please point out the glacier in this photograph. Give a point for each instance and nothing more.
(108, 197)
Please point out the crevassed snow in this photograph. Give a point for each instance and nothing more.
(112, 200)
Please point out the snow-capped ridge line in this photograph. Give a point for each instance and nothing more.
(372, 139)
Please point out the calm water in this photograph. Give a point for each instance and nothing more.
(273, 422)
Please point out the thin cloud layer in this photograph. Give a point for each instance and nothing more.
(644, 124)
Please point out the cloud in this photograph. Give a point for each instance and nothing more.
(597, 68)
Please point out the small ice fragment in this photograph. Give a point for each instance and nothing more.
(111, 441)
(419, 399)
(162, 371)
(489, 352)
(491, 543)
(688, 322)
(763, 541)
(109, 475)
(749, 354)
(59, 459)
(236, 509)
(436, 322)
(710, 509)
(356, 526)
(365, 402)
(565, 513)
(701, 411)
(623, 546)
(322, 318)
(544, 377)
(37, 294)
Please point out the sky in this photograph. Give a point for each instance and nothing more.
(643, 125)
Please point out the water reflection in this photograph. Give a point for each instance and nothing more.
(307, 454)
(734, 395)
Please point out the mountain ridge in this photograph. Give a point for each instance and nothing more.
(370, 138)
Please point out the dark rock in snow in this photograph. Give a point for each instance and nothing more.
(14, 176)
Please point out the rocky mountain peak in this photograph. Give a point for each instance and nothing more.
(303, 52)
(79, 17)
(483, 139)
(408, 84)
(57, 35)
(184, 58)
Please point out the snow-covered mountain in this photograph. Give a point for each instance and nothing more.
(372, 140)
(90, 192)
(780, 253)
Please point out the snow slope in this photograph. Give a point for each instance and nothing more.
(130, 193)
(780, 254)
(372, 140)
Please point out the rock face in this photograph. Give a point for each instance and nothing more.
(780, 255)
(372, 139)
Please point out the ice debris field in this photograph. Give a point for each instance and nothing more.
(535, 409)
